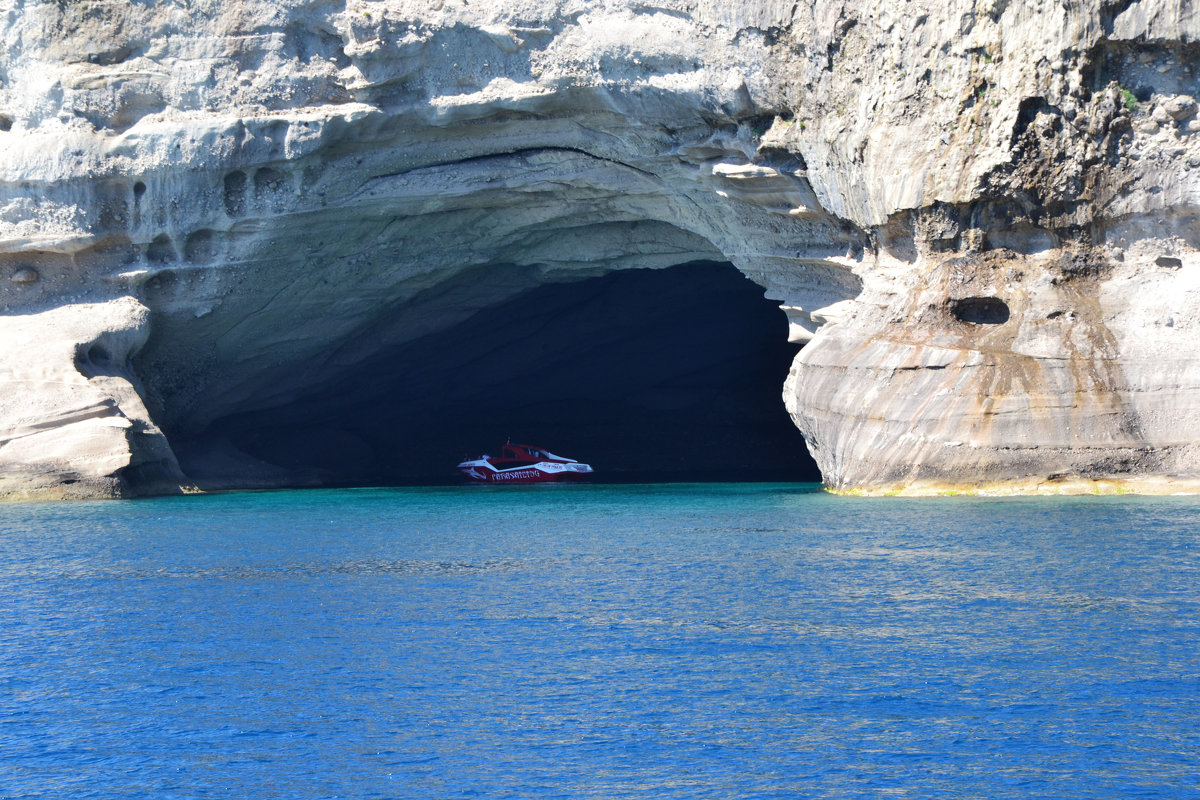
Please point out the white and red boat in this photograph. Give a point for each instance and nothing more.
(523, 463)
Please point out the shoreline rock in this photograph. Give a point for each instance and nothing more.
(982, 220)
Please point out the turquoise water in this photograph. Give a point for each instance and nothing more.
(673, 641)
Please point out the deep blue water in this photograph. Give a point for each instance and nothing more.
(674, 641)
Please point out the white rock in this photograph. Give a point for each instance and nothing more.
(263, 203)
(1180, 107)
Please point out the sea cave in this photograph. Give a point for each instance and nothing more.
(648, 374)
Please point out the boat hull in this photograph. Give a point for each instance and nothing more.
(480, 471)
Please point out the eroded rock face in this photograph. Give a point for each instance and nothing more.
(75, 424)
(984, 212)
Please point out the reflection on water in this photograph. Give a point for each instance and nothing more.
(631, 641)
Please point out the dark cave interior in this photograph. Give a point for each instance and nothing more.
(648, 375)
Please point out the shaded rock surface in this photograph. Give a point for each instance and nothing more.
(983, 215)
(616, 370)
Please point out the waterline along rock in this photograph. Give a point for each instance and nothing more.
(979, 217)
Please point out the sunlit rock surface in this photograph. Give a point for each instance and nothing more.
(984, 211)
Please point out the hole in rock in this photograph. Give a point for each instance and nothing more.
(93, 359)
(980, 310)
(267, 180)
(648, 375)
(99, 356)
(235, 193)
(198, 247)
(161, 251)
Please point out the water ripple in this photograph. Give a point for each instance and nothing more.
(616, 642)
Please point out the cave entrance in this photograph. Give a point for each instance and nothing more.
(648, 375)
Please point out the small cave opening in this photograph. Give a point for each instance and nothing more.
(93, 359)
(980, 310)
(99, 356)
(671, 374)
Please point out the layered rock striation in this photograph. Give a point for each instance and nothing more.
(979, 217)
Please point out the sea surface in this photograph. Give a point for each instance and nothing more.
(665, 641)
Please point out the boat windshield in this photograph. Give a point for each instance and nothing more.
(519, 450)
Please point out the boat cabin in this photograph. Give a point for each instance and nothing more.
(520, 454)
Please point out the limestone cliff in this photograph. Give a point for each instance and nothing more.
(981, 213)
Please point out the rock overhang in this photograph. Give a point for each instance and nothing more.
(279, 185)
